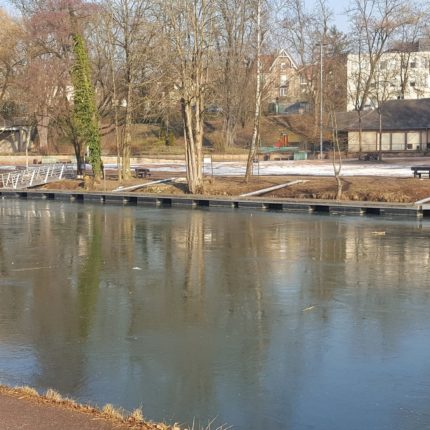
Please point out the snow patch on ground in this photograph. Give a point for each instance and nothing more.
(400, 168)
(304, 168)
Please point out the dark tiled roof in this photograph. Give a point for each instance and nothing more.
(396, 115)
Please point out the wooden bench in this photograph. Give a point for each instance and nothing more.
(142, 172)
(420, 170)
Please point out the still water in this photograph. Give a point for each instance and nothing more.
(260, 320)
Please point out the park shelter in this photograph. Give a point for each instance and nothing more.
(405, 126)
(15, 135)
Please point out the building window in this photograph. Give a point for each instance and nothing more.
(282, 92)
(422, 80)
(412, 83)
(283, 80)
(283, 66)
(413, 64)
(383, 65)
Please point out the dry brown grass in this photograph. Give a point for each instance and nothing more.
(112, 412)
(137, 415)
(54, 396)
(29, 391)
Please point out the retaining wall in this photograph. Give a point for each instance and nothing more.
(257, 203)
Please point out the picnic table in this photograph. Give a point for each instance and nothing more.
(142, 172)
(421, 170)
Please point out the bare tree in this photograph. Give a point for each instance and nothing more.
(233, 46)
(47, 62)
(107, 76)
(336, 154)
(133, 32)
(335, 98)
(38, 86)
(188, 30)
(382, 89)
(45, 82)
(319, 49)
(373, 22)
(406, 42)
(258, 93)
(11, 55)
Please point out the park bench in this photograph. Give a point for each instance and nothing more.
(420, 170)
(369, 156)
(268, 151)
(142, 172)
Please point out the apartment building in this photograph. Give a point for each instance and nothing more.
(401, 73)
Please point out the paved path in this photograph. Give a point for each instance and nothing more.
(17, 413)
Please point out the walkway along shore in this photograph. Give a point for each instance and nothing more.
(23, 408)
(257, 203)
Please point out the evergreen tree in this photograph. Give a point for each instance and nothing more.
(84, 105)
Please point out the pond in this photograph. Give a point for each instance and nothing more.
(259, 320)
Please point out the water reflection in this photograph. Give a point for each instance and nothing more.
(264, 320)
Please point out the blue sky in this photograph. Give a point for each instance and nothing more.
(338, 7)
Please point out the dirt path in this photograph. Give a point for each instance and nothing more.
(23, 408)
(18, 413)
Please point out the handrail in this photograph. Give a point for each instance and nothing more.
(34, 176)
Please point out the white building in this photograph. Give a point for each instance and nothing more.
(398, 75)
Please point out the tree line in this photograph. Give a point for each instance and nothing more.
(78, 68)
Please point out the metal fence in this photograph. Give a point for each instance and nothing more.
(34, 176)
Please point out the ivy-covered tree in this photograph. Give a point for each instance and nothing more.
(85, 115)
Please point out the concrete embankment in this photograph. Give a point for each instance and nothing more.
(257, 203)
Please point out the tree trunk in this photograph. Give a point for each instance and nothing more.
(360, 132)
(339, 187)
(115, 102)
(27, 143)
(380, 136)
(337, 156)
(193, 137)
(256, 131)
(126, 150)
(229, 131)
(255, 136)
(78, 154)
(42, 130)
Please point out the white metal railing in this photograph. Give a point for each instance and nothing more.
(34, 176)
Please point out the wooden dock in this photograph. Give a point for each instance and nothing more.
(255, 203)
